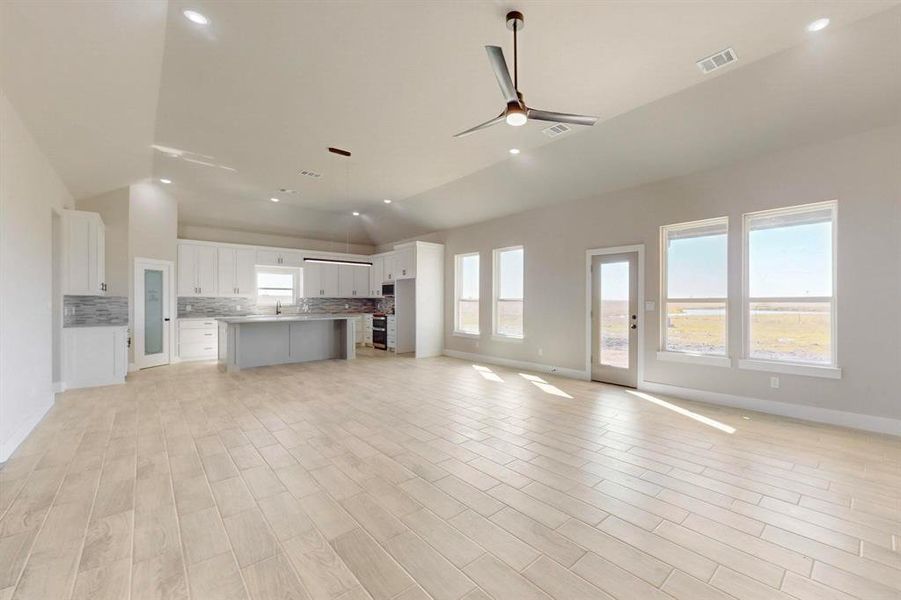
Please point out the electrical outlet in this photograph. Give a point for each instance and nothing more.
(541, 352)
(188, 308)
(237, 307)
(774, 382)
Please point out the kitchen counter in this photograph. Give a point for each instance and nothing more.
(261, 340)
(281, 318)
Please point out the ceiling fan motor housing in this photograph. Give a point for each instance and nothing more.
(515, 20)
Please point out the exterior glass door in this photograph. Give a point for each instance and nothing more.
(614, 318)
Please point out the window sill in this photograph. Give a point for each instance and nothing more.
(790, 368)
(695, 359)
(467, 334)
(507, 338)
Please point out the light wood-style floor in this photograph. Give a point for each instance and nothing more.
(391, 478)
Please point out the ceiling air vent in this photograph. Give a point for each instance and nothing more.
(312, 174)
(555, 130)
(716, 61)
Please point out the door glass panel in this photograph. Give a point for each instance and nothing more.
(614, 324)
(153, 312)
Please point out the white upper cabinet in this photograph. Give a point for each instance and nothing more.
(361, 282)
(329, 281)
(198, 270)
(84, 254)
(390, 268)
(376, 276)
(312, 280)
(237, 272)
(405, 263)
(346, 281)
(320, 280)
(279, 258)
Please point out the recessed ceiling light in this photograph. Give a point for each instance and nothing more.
(195, 17)
(274, 199)
(386, 201)
(818, 25)
(356, 214)
(165, 181)
(514, 151)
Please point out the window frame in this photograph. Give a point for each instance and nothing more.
(267, 300)
(831, 370)
(495, 277)
(663, 353)
(458, 263)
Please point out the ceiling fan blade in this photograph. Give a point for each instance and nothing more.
(555, 117)
(499, 65)
(485, 125)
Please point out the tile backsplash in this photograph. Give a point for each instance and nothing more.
(83, 311)
(223, 307)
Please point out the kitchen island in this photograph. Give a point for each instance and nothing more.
(257, 341)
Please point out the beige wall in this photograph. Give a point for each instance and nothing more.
(113, 208)
(30, 190)
(861, 171)
(234, 236)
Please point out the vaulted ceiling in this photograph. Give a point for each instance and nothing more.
(233, 111)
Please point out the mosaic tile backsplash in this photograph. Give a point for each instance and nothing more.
(85, 311)
(227, 307)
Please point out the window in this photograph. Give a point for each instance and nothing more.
(694, 287)
(466, 281)
(275, 284)
(508, 304)
(789, 295)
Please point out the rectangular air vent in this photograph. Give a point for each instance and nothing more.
(555, 130)
(716, 61)
(312, 174)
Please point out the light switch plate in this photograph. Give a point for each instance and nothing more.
(650, 306)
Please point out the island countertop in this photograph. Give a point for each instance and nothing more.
(283, 318)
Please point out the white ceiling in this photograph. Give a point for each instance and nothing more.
(262, 91)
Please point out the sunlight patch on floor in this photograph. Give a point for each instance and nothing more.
(544, 386)
(684, 411)
(487, 373)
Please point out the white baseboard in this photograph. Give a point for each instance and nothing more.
(518, 364)
(796, 411)
(18, 436)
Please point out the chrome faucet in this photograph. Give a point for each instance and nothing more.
(278, 307)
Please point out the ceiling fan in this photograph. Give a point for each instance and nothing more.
(517, 113)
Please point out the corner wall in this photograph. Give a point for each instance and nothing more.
(30, 190)
(861, 171)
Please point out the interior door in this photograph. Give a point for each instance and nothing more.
(152, 318)
(614, 318)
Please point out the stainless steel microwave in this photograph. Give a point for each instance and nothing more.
(387, 289)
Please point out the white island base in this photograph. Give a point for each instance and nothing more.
(246, 342)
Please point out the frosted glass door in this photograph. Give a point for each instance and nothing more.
(153, 312)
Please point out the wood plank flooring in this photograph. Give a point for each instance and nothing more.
(391, 478)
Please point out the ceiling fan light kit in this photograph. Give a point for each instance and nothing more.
(517, 113)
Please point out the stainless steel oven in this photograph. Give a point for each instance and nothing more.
(380, 331)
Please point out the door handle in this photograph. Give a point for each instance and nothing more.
(166, 319)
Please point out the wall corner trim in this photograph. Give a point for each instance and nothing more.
(518, 364)
(803, 412)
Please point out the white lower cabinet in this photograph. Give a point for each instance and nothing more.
(94, 355)
(392, 332)
(198, 339)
